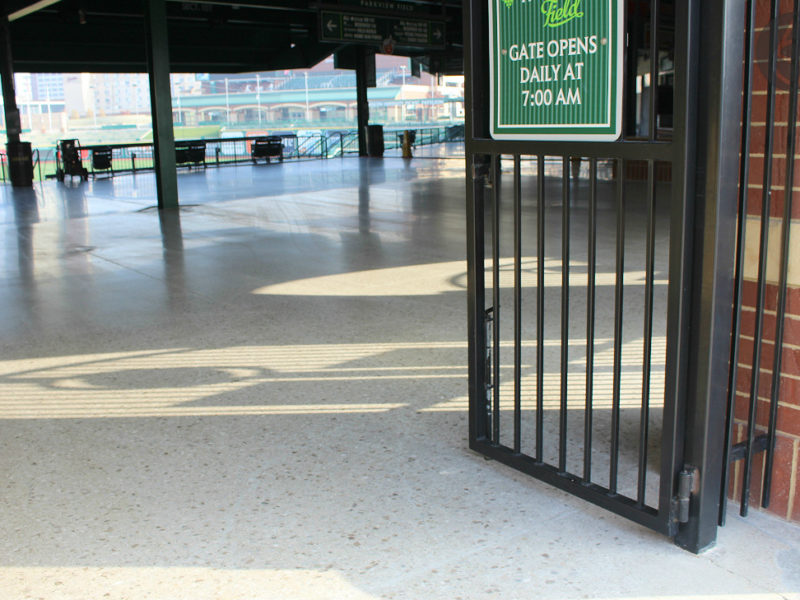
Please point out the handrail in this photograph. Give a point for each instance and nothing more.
(38, 163)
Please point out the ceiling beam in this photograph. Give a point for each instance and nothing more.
(30, 9)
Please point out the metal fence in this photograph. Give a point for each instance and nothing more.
(424, 136)
(216, 152)
(190, 154)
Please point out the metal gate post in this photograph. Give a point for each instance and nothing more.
(719, 110)
(476, 98)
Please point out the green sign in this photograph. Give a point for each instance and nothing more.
(383, 31)
(556, 69)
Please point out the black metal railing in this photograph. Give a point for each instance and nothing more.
(138, 156)
(134, 157)
(37, 163)
(425, 136)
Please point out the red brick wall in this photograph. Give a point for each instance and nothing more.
(785, 500)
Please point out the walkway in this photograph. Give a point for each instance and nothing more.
(264, 397)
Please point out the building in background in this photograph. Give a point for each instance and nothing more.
(120, 93)
(115, 107)
(47, 86)
(78, 94)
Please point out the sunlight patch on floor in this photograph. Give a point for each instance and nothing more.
(437, 278)
(232, 381)
(175, 583)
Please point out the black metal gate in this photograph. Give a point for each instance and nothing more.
(600, 277)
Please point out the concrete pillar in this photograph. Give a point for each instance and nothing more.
(161, 103)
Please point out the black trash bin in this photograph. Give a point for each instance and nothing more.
(375, 140)
(20, 163)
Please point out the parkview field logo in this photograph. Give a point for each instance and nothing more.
(557, 14)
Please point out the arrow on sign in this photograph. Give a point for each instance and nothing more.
(437, 33)
(331, 25)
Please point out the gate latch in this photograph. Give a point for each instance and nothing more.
(686, 482)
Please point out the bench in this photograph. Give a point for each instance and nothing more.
(267, 147)
(102, 159)
(190, 153)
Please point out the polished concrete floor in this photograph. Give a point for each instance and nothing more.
(264, 396)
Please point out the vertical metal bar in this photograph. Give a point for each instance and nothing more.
(744, 180)
(517, 304)
(476, 299)
(495, 175)
(475, 95)
(590, 322)
(653, 104)
(788, 201)
(618, 308)
(565, 223)
(766, 204)
(644, 423)
(630, 65)
(540, 309)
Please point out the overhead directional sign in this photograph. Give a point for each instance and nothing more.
(556, 69)
(381, 30)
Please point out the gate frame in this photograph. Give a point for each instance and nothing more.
(704, 153)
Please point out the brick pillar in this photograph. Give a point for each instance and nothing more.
(785, 501)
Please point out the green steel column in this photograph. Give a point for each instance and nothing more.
(19, 154)
(161, 103)
(362, 105)
(13, 125)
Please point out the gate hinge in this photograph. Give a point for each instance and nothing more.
(688, 478)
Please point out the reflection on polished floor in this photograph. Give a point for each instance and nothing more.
(263, 395)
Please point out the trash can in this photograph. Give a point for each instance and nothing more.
(409, 136)
(20, 163)
(375, 140)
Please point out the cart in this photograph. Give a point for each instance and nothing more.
(68, 160)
